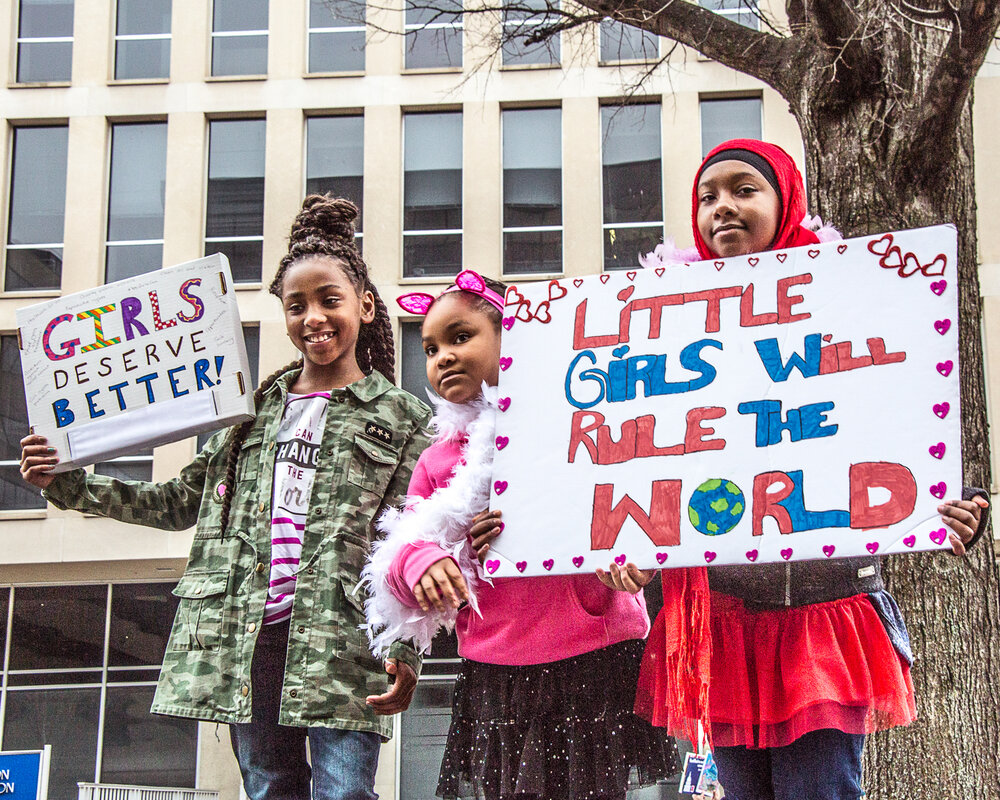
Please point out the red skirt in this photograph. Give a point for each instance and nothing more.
(779, 674)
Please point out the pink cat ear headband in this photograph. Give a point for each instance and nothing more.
(466, 281)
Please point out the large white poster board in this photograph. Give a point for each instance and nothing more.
(136, 363)
(799, 404)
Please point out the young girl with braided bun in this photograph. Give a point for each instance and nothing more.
(267, 633)
(543, 701)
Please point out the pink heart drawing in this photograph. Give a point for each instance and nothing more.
(620, 560)
(500, 487)
(939, 535)
(661, 557)
(503, 403)
(937, 450)
(938, 287)
(751, 555)
(508, 323)
(500, 526)
(910, 540)
(505, 363)
(829, 550)
(939, 489)
(502, 442)
(841, 248)
(578, 561)
(709, 556)
(786, 553)
(521, 566)
(812, 253)
(944, 367)
(942, 326)
(872, 547)
(942, 409)
(492, 566)
(548, 564)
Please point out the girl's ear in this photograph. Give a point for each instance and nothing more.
(367, 307)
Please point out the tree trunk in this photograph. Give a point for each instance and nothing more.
(865, 178)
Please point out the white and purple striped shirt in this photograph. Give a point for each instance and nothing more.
(298, 446)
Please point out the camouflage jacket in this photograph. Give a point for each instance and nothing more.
(373, 436)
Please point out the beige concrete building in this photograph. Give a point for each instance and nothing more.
(142, 133)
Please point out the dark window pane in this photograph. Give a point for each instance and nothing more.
(141, 616)
(532, 251)
(432, 181)
(428, 48)
(620, 42)
(423, 733)
(532, 167)
(37, 206)
(142, 58)
(67, 719)
(722, 120)
(46, 18)
(127, 261)
(518, 25)
(622, 246)
(126, 470)
(413, 367)
(741, 11)
(40, 62)
(251, 338)
(421, 13)
(428, 255)
(239, 15)
(14, 492)
(337, 52)
(144, 749)
(58, 627)
(335, 157)
(143, 16)
(631, 159)
(239, 55)
(244, 258)
(138, 178)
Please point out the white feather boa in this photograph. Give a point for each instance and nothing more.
(444, 518)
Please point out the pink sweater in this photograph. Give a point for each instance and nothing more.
(524, 620)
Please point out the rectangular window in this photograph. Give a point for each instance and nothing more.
(135, 200)
(335, 158)
(142, 39)
(433, 36)
(53, 693)
(14, 492)
(742, 11)
(37, 205)
(44, 41)
(633, 184)
(532, 190)
(234, 222)
(432, 194)
(336, 41)
(518, 24)
(239, 37)
(721, 120)
(412, 361)
(621, 42)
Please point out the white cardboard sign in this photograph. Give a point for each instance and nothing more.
(790, 405)
(136, 363)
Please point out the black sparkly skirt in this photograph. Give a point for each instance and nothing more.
(558, 731)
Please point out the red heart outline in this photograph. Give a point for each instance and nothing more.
(875, 244)
(556, 285)
(605, 278)
(841, 249)
(578, 282)
(781, 257)
(927, 270)
(513, 296)
(659, 271)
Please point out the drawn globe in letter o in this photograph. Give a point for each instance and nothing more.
(716, 506)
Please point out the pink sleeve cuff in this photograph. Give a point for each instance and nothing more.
(408, 568)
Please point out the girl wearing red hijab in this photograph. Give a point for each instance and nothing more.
(787, 666)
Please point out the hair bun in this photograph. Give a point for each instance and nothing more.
(330, 218)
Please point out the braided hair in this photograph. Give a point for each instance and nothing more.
(324, 227)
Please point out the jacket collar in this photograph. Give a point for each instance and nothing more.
(365, 389)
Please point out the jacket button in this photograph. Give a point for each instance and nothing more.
(302, 628)
(245, 690)
(252, 627)
(271, 445)
(261, 508)
(294, 693)
(310, 571)
(259, 568)
(374, 453)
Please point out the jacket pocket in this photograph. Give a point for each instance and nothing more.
(200, 623)
(372, 464)
(352, 641)
(250, 452)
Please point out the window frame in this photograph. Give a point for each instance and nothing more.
(236, 34)
(412, 28)
(357, 28)
(19, 40)
(138, 37)
(528, 22)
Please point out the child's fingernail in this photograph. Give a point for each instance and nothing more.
(50, 450)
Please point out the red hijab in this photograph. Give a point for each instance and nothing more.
(790, 189)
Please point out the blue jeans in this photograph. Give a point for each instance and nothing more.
(822, 765)
(272, 757)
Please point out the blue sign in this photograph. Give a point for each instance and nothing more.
(22, 774)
